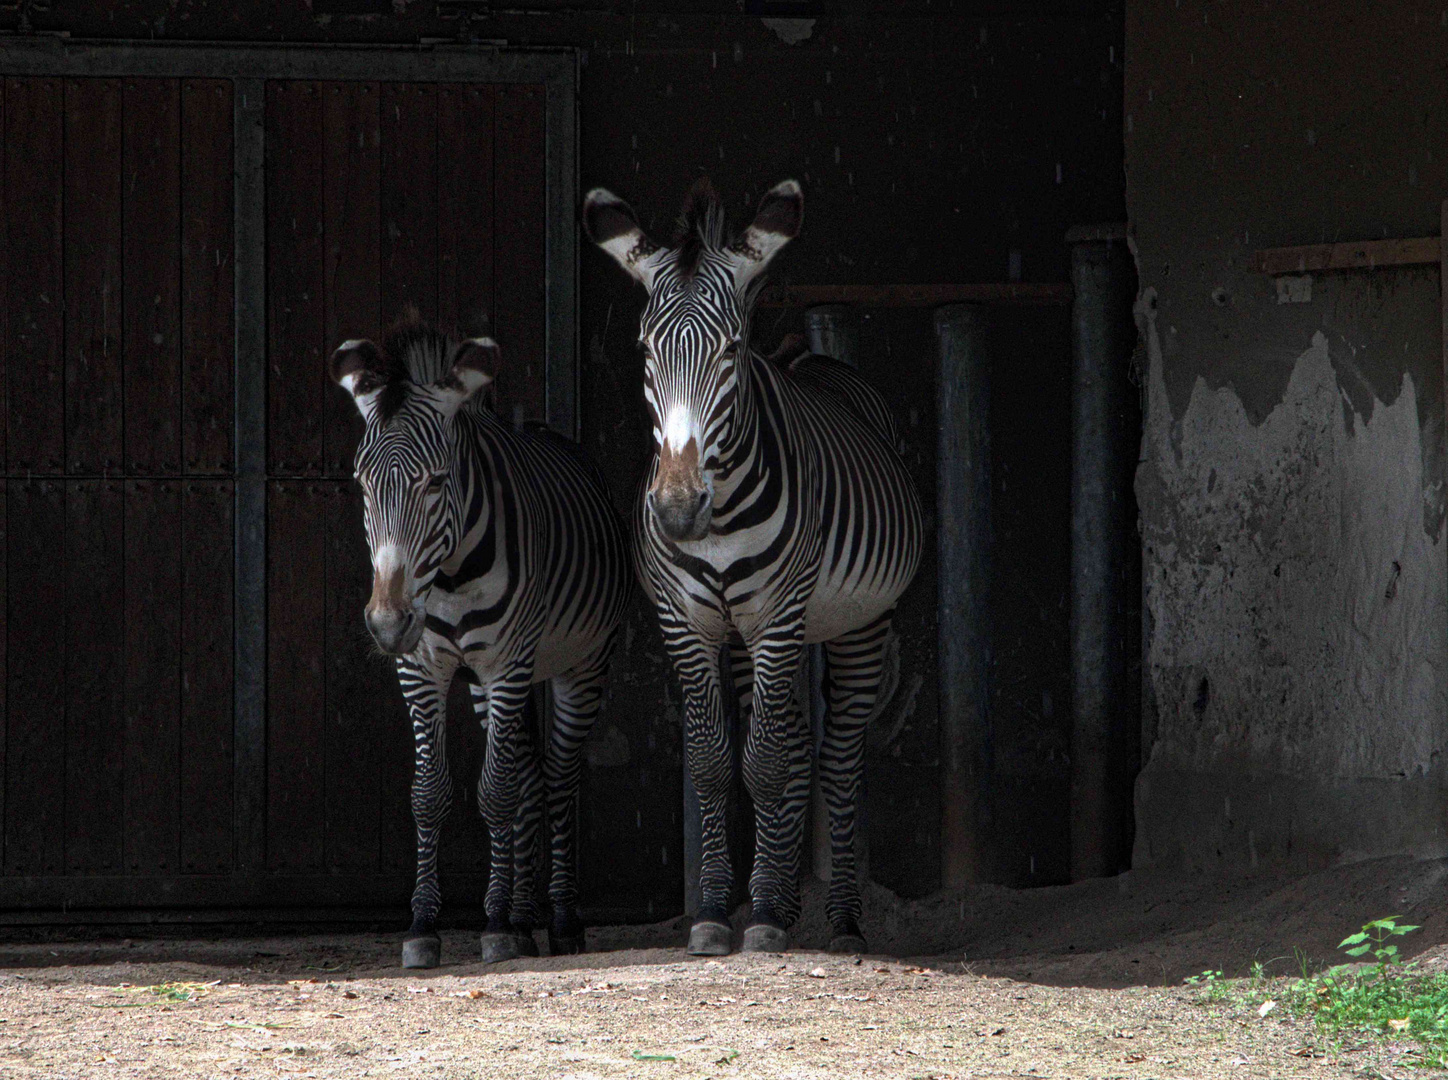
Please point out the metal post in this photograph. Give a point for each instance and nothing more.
(832, 331)
(1102, 336)
(963, 546)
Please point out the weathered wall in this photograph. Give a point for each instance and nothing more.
(937, 141)
(1291, 477)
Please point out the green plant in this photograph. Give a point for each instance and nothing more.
(1376, 937)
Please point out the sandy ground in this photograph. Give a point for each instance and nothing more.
(1084, 981)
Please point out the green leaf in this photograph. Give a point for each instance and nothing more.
(1358, 951)
(1355, 939)
(653, 1057)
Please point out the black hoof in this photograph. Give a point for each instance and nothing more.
(709, 939)
(848, 943)
(564, 944)
(500, 947)
(424, 951)
(526, 945)
(762, 937)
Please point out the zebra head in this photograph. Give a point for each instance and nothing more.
(694, 332)
(409, 392)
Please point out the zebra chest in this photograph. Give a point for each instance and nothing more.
(481, 611)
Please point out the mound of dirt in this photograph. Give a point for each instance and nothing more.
(1149, 926)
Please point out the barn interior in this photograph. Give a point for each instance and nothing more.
(1161, 280)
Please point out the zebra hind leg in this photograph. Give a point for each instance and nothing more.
(577, 698)
(425, 692)
(856, 664)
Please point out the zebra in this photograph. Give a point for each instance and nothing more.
(776, 512)
(497, 553)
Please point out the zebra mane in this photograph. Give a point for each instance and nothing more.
(421, 354)
(701, 226)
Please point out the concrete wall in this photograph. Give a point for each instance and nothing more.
(1291, 476)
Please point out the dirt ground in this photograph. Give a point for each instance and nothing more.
(1081, 981)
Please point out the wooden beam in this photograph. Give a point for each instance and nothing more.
(916, 295)
(1360, 255)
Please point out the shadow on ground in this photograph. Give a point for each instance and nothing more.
(1146, 927)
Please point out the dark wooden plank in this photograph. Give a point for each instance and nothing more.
(95, 711)
(5, 344)
(34, 752)
(34, 362)
(364, 703)
(153, 276)
(296, 629)
(207, 764)
(208, 275)
(409, 199)
(93, 276)
(519, 218)
(296, 370)
(1356, 255)
(351, 122)
(153, 675)
(465, 209)
(1028, 294)
(4, 647)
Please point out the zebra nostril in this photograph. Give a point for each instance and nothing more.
(704, 497)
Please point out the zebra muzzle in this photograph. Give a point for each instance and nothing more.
(682, 513)
(395, 630)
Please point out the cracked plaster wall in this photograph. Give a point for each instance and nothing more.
(1291, 475)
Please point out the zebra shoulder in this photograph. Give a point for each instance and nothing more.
(828, 377)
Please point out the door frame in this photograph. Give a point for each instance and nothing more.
(25, 899)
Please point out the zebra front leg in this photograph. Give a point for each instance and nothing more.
(776, 771)
(710, 761)
(425, 690)
(855, 670)
(524, 911)
(500, 792)
(577, 698)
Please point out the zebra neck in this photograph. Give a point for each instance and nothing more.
(475, 454)
(736, 454)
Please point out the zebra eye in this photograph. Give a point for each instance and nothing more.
(437, 481)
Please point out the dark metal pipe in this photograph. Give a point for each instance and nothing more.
(963, 546)
(1102, 337)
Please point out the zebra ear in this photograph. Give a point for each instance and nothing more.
(360, 368)
(777, 222)
(474, 365)
(611, 224)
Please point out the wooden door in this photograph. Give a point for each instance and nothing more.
(185, 234)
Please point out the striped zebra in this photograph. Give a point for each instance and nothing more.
(496, 553)
(776, 513)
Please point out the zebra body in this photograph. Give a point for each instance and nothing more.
(497, 551)
(777, 512)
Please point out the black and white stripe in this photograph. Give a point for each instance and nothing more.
(777, 513)
(496, 552)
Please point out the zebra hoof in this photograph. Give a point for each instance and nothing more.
(526, 945)
(709, 939)
(564, 944)
(500, 947)
(422, 952)
(848, 943)
(761, 937)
